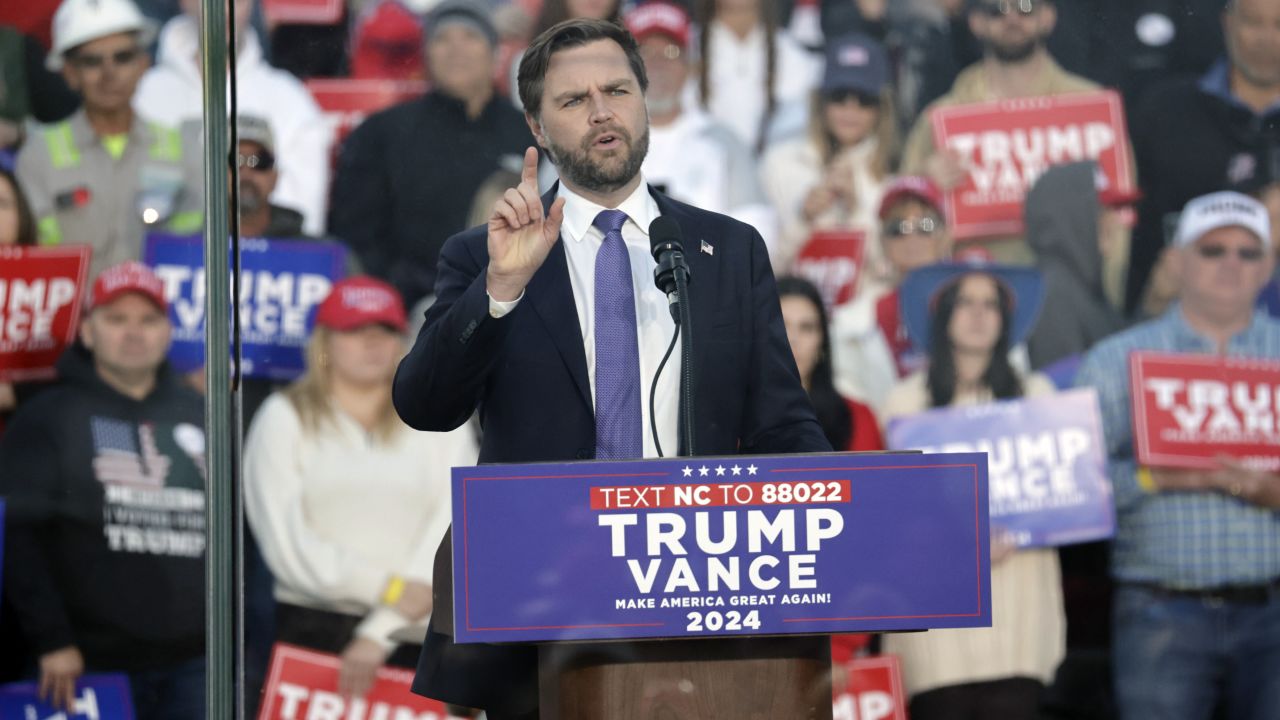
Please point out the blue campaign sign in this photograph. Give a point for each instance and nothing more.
(744, 545)
(1048, 471)
(282, 282)
(98, 697)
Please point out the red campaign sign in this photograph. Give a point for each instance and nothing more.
(347, 102)
(303, 684)
(868, 688)
(832, 260)
(302, 12)
(40, 293)
(1189, 409)
(1008, 144)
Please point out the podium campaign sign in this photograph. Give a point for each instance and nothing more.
(868, 688)
(282, 282)
(40, 293)
(1048, 478)
(696, 547)
(1189, 409)
(303, 685)
(1006, 146)
(832, 261)
(97, 697)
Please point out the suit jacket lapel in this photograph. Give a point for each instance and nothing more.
(704, 270)
(550, 292)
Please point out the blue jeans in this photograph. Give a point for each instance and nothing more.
(1178, 658)
(176, 693)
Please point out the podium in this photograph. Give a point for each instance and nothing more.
(709, 587)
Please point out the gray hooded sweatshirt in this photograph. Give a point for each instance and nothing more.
(1062, 229)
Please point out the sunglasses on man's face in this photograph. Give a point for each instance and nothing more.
(260, 161)
(925, 226)
(119, 58)
(840, 97)
(1009, 7)
(1217, 252)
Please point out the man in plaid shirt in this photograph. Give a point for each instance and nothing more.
(1197, 553)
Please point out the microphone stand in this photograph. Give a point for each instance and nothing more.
(688, 376)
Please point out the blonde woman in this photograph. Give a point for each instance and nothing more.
(347, 503)
(833, 176)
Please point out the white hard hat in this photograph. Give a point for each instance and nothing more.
(79, 21)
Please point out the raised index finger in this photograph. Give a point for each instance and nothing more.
(529, 174)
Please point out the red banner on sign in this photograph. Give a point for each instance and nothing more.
(868, 688)
(1007, 145)
(304, 684)
(1189, 409)
(40, 292)
(832, 260)
(302, 12)
(347, 102)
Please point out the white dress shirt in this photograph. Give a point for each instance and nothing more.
(654, 325)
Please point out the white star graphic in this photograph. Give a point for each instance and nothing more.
(688, 471)
(751, 469)
(737, 469)
(720, 471)
(702, 471)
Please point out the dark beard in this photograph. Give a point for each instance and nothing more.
(576, 166)
(1015, 53)
(251, 201)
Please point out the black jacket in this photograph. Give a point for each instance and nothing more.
(406, 179)
(104, 545)
(1189, 143)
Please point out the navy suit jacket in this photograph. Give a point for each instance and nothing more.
(527, 374)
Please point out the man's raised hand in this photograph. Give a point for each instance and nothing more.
(520, 236)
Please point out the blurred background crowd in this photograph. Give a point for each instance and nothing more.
(795, 116)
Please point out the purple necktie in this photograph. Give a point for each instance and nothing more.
(618, 432)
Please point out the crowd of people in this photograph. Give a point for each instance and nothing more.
(793, 118)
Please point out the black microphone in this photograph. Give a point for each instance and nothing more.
(667, 246)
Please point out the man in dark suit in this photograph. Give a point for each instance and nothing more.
(548, 321)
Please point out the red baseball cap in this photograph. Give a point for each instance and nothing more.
(659, 17)
(911, 186)
(129, 276)
(1111, 196)
(359, 301)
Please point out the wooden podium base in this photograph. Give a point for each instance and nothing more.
(716, 679)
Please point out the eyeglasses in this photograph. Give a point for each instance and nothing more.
(1216, 252)
(926, 226)
(1009, 7)
(840, 97)
(669, 51)
(118, 58)
(262, 161)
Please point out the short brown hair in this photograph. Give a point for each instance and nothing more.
(565, 35)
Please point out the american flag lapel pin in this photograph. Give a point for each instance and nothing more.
(706, 248)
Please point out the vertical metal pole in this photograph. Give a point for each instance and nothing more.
(220, 551)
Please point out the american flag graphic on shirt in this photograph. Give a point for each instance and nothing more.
(126, 453)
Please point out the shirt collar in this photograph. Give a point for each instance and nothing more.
(580, 212)
(1216, 83)
(1186, 336)
(86, 137)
